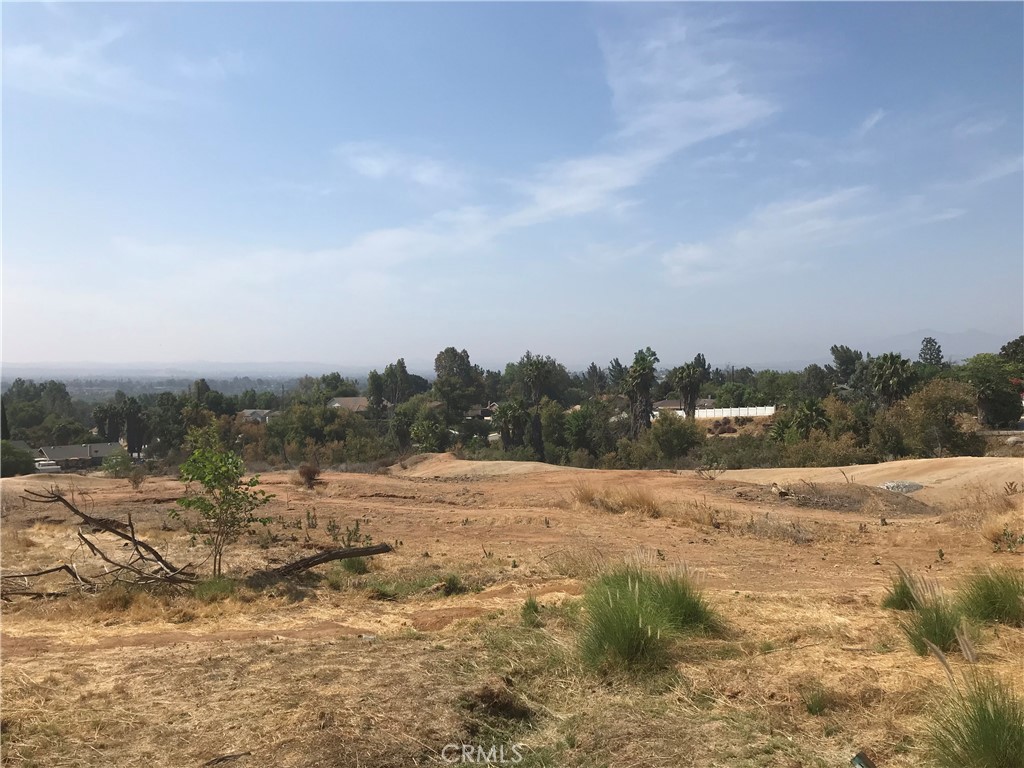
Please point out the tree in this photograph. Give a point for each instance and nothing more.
(638, 382)
(397, 387)
(674, 437)
(5, 430)
(1013, 352)
(226, 504)
(134, 425)
(690, 378)
(14, 461)
(595, 380)
(994, 380)
(932, 420)
(375, 395)
(459, 383)
(844, 363)
(510, 417)
(810, 414)
(931, 352)
(891, 377)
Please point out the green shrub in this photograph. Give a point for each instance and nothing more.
(936, 621)
(981, 726)
(622, 631)
(632, 616)
(356, 565)
(994, 595)
(118, 464)
(14, 461)
(900, 594)
(453, 585)
(214, 589)
(530, 612)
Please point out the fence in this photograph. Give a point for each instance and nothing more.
(732, 413)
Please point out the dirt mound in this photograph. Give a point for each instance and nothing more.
(446, 466)
(836, 497)
(942, 478)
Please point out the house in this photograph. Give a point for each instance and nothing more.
(481, 411)
(78, 456)
(353, 404)
(254, 415)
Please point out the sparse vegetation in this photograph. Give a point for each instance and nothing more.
(635, 499)
(633, 614)
(935, 620)
(994, 595)
(900, 596)
(530, 612)
(979, 724)
(213, 589)
(309, 474)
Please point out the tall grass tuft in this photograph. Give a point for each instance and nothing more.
(900, 594)
(935, 621)
(622, 630)
(530, 612)
(979, 726)
(633, 614)
(994, 595)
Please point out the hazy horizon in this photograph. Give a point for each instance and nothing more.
(264, 183)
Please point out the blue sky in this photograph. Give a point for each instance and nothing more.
(351, 183)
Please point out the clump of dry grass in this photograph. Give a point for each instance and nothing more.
(634, 500)
(702, 513)
(768, 527)
(997, 513)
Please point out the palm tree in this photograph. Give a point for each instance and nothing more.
(689, 379)
(810, 414)
(510, 418)
(891, 376)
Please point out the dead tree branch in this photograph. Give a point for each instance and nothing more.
(330, 555)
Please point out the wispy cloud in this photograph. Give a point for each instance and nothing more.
(994, 171)
(376, 161)
(977, 127)
(870, 122)
(794, 233)
(216, 68)
(84, 69)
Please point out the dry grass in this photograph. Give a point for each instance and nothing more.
(631, 500)
(810, 670)
(996, 513)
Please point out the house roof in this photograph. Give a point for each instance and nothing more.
(354, 404)
(254, 413)
(86, 451)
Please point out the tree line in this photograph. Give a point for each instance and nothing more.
(857, 408)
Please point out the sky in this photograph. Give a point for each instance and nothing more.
(353, 183)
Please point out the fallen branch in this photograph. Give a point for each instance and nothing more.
(330, 555)
(110, 526)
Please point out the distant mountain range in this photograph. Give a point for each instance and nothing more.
(956, 346)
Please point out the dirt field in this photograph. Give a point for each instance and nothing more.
(386, 668)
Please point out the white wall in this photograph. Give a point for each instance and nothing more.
(732, 413)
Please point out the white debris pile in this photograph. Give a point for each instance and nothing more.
(901, 486)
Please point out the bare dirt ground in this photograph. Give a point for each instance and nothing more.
(385, 669)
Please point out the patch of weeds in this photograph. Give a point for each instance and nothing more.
(530, 612)
(817, 699)
(935, 621)
(214, 589)
(994, 595)
(779, 530)
(356, 565)
(454, 585)
(116, 598)
(900, 594)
